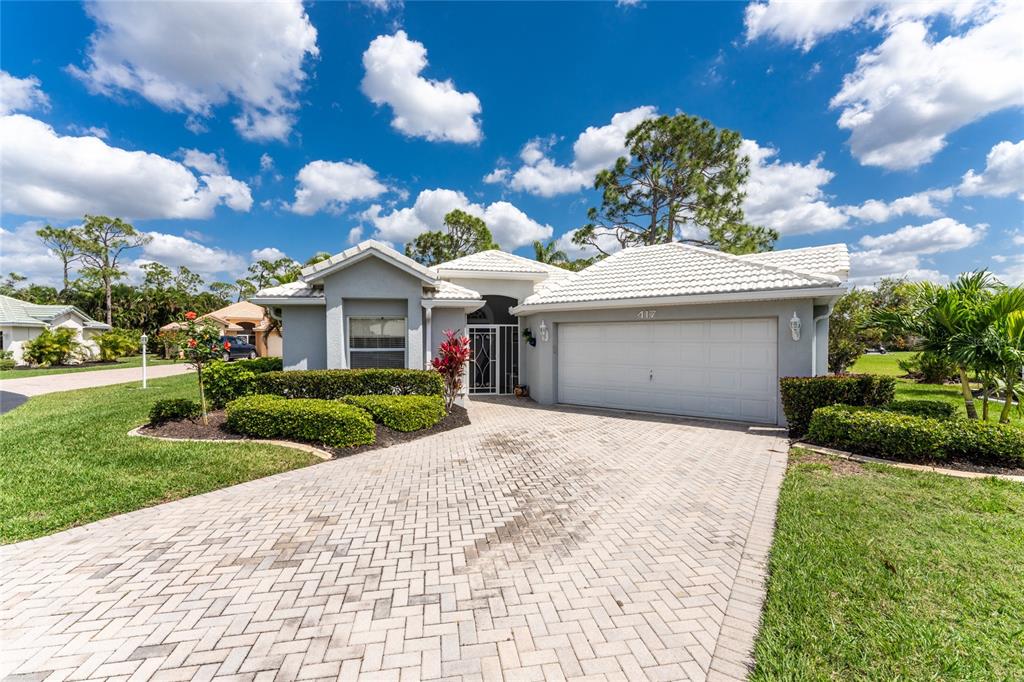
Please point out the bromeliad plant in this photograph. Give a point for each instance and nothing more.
(450, 362)
(201, 345)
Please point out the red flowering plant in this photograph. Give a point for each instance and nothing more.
(450, 361)
(201, 347)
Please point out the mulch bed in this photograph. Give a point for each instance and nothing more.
(386, 437)
(941, 464)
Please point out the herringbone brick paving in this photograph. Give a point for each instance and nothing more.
(535, 544)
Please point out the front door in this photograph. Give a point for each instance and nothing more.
(494, 361)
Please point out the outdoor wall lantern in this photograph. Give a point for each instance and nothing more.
(794, 327)
(543, 329)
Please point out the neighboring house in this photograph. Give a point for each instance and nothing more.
(246, 321)
(21, 321)
(670, 328)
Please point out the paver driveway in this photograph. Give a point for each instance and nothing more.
(535, 544)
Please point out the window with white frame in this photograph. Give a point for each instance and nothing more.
(376, 342)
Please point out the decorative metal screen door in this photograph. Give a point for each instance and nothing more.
(494, 362)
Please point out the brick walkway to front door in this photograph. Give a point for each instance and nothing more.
(536, 544)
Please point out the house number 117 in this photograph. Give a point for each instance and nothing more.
(646, 315)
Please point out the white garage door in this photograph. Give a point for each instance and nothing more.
(722, 369)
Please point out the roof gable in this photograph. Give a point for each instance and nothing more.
(370, 248)
(674, 270)
(18, 313)
(499, 262)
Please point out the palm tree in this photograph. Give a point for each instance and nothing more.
(967, 322)
(549, 253)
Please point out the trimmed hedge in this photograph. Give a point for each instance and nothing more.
(923, 408)
(329, 422)
(401, 412)
(335, 384)
(225, 381)
(802, 395)
(914, 439)
(171, 409)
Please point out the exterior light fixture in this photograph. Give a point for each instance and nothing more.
(543, 329)
(794, 327)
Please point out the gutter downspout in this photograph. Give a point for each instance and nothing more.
(429, 340)
(814, 344)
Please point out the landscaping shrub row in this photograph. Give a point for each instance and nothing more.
(225, 381)
(401, 412)
(802, 395)
(335, 384)
(330, 422)
(907, 437)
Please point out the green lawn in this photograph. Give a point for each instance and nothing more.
(123, 363)
(66, 459)
(908, 389)
(878, 573)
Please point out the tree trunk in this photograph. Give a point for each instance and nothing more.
(965, 386)
(202, 394)
(1004, 415)
(109, 299)
(66, 280)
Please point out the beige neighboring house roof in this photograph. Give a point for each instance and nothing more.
(832, 259)
(677, 273)
(494, 262)
(230, 315)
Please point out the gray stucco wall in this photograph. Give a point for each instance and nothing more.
(304, 345)
(361, 285)
(794, 357)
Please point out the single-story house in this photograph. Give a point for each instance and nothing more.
(246, 321)
(21, 321)
(670, 328)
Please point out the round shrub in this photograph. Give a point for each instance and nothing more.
(335, 384)
(923, 408)
(7, 363)
(225, 381)
(802, 395)
(171, 409)
(329, 422)
(401, 412)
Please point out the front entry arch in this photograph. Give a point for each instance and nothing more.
(494, 340)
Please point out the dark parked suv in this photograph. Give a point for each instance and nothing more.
(240, 348)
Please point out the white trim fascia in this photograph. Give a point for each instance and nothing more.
(448, 274)
(692, 299)
(285, 300)
(317, 276)
(467, 304)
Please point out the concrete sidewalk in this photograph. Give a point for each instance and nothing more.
(54, 383)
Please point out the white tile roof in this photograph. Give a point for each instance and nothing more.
(446, 291)
(832, 259)
(380, 248)
(18, 313)
(291, 290)
(671, 270)
(501, 261)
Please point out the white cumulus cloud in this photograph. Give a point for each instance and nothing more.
(596, 148)
(907, 95)
(21, 94)
(193, 57)
(422, 107)
(902, 253)
(203, 162)
(331, 185)
(267, 253)
(1003, 174)
(61, 176)
(509, 226)
(919, 204)
(788, 197)
(174, 251)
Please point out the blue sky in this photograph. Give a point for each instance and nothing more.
(230, 132)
